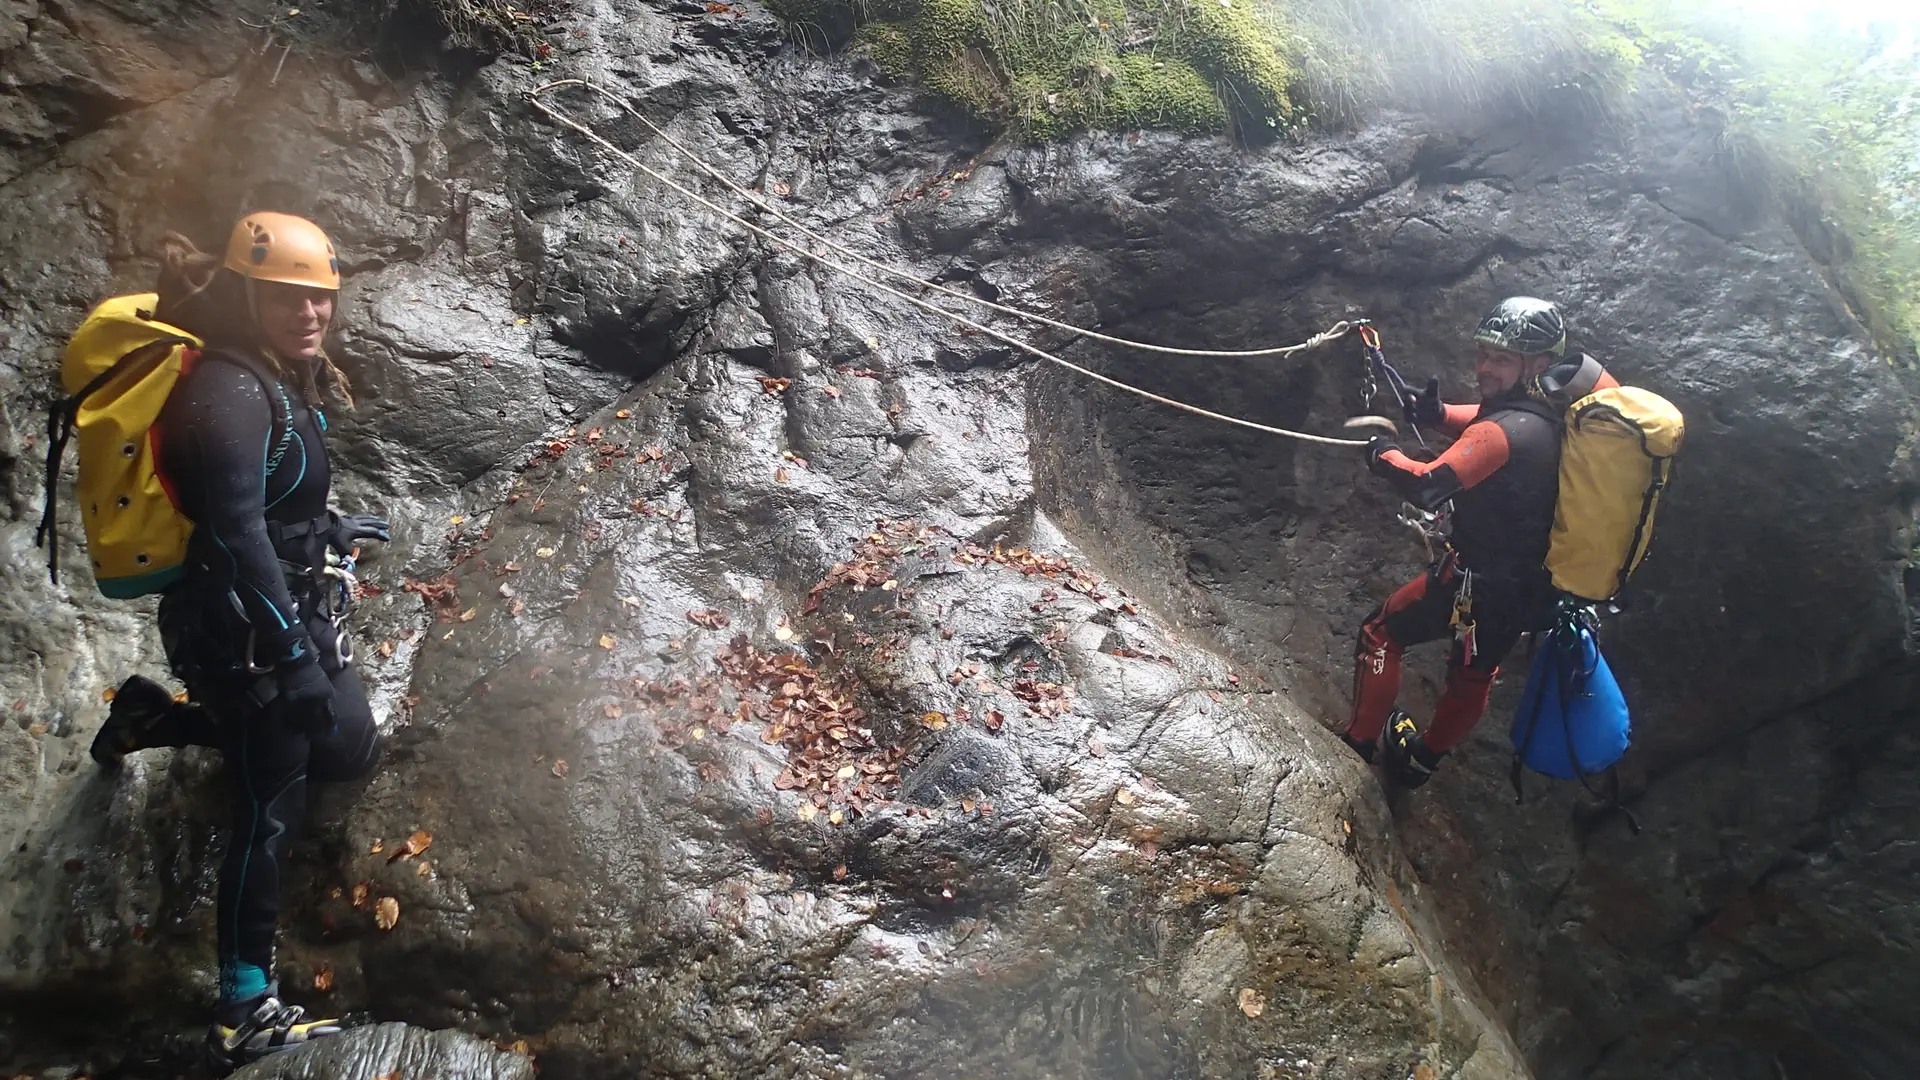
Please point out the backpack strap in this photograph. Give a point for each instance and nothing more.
(61, 419)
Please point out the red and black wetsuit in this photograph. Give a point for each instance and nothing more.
(242, 455)
(1502, 474)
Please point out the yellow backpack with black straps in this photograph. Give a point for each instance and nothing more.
(1616, 460)
(118, 370)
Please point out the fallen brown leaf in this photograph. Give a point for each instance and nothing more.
(1252, 1002)
(607, 641)
(418, 842)
(560, 768)
(323, 977)
(362, 895)
(377, 847)
(386, 913)
(711, 618)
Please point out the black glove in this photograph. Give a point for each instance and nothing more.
(306, 695)
(303, 693)
(350, 529)
(1377, 446)
(1426, 409)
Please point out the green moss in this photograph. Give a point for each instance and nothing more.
(1171, 94)
(1225, 41)
(889, 45)
(1049, 67)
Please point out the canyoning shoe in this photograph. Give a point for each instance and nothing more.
(1409, 762)
(1364, 749)
(268, 1027)
(137, 706)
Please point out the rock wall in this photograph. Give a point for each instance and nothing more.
(1083, 835)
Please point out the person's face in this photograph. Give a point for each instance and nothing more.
(293, 318)
(1500, 370)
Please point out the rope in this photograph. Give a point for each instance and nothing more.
(597, 139)
(1338, 330)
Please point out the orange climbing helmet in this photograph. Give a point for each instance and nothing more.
(266, 246)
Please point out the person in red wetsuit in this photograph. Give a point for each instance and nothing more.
(1491, 585)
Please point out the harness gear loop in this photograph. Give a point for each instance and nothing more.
(1462, 620)
(1338, 330)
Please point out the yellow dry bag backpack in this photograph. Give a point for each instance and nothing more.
(1616, 459)
(118, 370)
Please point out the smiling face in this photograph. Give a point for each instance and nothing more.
(292, 318)
(1500, 370)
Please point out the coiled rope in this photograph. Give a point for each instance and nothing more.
(1338, 330)
(595, 137)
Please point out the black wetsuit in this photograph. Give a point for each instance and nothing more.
(242, 455)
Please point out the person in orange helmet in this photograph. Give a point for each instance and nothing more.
(255, 625)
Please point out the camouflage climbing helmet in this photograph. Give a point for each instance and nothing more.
(1523, 324)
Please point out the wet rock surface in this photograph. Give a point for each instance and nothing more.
(370, 1053)
(781, 683)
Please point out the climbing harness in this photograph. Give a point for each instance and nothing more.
(761, 203)
(1338, 330)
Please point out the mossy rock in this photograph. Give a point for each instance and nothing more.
(1053, 67)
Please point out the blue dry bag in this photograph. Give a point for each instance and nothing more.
(1573, 719)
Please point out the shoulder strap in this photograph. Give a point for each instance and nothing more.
(270, 384)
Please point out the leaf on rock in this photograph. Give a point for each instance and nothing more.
(420, 841)
(808, 811)
(780, 187)
(377, 846)
(612, 710)
(1124, 796)
(781, 476)
(517, 608)
(386, 913)
(1252, 1002)
(840, 872)
(831, 391)
(1423, 1071)
(773, 386)
(386, 648)
(560, 768)
(544, 553)
(363, 895)
(711, 618)
(467, 615)
(623, 414)
(323, 977)
(607, 641)
(934, 720)
(994, 719)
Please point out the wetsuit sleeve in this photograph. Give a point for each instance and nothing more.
(1455, 418)
(225, 424)
(1477, 454)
